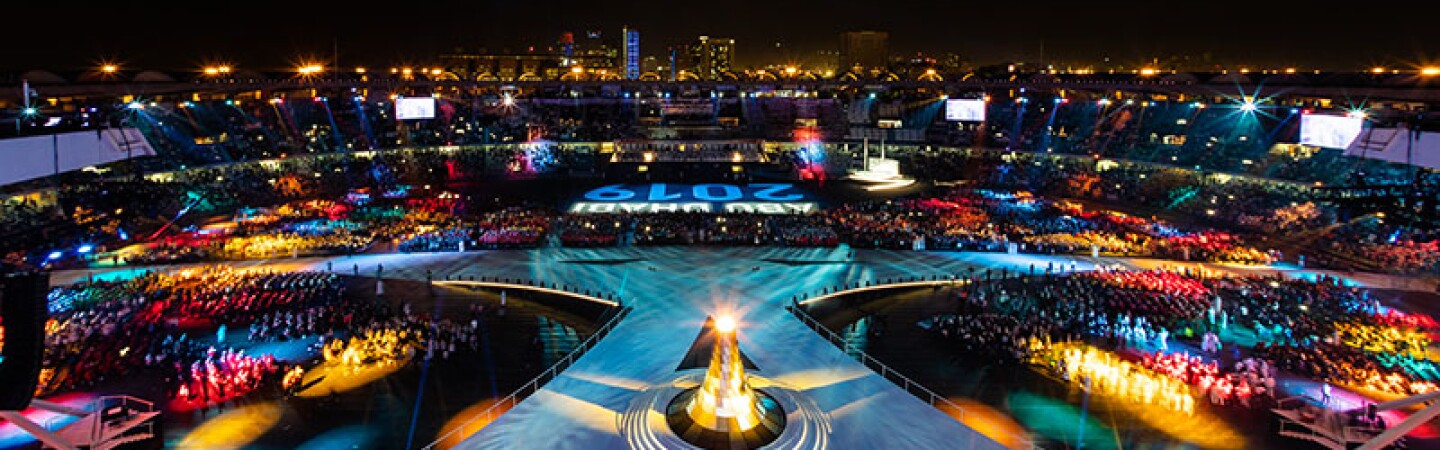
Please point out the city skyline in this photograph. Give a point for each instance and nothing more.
(264, 35)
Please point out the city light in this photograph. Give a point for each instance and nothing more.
(1377, 70)
(1356, 114)
(929, 71)
(791, 70)
(436, 71)
(1289, 70)
(30, 111)
(109, 68)
(135, 105)
(1248, 106)
(1103, 102)
(1147, 72)
(360, 70)
(508, 100)
(1430, 71)
(310, 69)
(55, 255)
(576, 69)
(84, 248)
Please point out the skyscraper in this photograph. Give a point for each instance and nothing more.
(712, 57)
(864, 49)
(632, 53)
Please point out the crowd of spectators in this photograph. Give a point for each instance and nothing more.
(590, 230)
(107, 213)
(1250, 383)
(1370, 243)
(1247, 329)
(103, 330)
(220, 376)
(993, 338)
(156, 325)
(515, 227)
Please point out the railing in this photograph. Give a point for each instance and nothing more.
(934, 281)
(936, 401)
(611, 300)
(535, 384)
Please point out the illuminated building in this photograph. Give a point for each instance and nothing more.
(864, 49)
(632, 53)
(709, 58)
(593, 53)
(724, 412)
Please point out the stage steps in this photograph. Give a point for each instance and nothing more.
(136, 426)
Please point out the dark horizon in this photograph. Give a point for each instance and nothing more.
(265, 35)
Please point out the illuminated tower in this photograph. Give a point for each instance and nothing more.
(632, 53)
(724, 412)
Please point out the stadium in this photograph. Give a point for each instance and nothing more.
(458, 256)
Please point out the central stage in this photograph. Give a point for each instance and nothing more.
(672, 291)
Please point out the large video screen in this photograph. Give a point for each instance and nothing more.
(415, 108)
(1323, 130)
(965, 110)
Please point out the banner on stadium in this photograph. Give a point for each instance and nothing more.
(31, 157)
(753, 198)
(1398, 145)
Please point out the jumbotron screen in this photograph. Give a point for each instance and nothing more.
(414, 108)
(1329, 131)
(965, 110)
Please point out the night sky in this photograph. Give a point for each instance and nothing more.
(272, 35)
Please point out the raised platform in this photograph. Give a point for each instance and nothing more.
(586, 406)
(771, 424)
